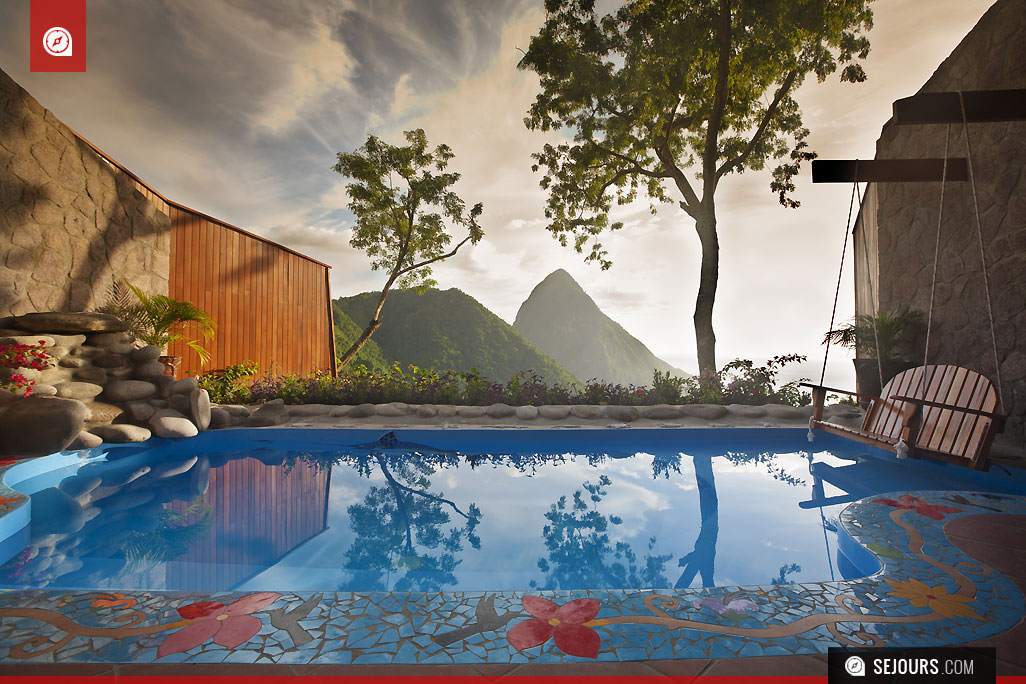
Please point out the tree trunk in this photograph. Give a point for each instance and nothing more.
(704, 335)
(374, 324)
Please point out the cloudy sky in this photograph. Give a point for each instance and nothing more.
(237, 109)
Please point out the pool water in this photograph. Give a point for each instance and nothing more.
(365, 510)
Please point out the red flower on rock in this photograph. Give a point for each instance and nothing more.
(913, 503)
(565, 623)
(230, 625)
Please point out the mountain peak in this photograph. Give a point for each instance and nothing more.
(563, 321)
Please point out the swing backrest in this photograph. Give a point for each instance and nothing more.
(945, 431)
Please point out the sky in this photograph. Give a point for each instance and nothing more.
(238, 108)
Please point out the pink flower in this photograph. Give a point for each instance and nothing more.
(230, 625)
(912, 503)
(565, 623)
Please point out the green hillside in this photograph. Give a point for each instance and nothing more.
(347, 332)
(449, 330)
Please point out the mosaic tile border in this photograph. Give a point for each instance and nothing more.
(928, 593)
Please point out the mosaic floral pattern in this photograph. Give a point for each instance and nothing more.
(928, 593)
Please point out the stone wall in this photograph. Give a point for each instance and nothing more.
(990, 57)
(69, 221)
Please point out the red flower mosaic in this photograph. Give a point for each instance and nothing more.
(230, 625)
(565, 623)
(115, 601)
(913, 503)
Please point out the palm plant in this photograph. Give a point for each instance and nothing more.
(899, 334)
(163, 320)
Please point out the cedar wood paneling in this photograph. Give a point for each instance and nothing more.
(270, 304)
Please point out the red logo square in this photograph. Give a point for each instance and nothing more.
(57, 35)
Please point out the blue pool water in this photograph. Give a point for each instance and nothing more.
(360, 510)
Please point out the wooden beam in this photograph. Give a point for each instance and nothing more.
(980, 106)
(888, 170)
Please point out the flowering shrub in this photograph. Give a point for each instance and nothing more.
(30, 356)
(739, 382)
(225, 387)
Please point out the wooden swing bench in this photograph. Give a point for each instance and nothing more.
(949, 414)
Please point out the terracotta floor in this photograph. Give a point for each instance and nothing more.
(997, 540)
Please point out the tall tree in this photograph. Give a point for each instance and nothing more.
(662, 88)
(401, 197)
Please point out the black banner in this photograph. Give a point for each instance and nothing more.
(947, 665)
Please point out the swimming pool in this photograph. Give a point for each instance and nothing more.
(398, 557)
(418, 510)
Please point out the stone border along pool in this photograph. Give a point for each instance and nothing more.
(928, 593)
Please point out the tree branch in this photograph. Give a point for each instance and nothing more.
(781, 93)
(437, 258)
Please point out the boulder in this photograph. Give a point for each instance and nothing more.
(271, 413)
(586, 411)
(236, 410)
(175, 465)
(305, 410)
(660, 412)
(85, 440)
(73, 362)
(219, 418)
(6, 396)
(362, 411)
(157, 403)
(129, 390)
(446, 411)
(94, 375)
(102, 412)
(148, 369)
(393, 410)
(146, 354)
(39, 390)
(500, 411)
(746, 411)
(782, 411)
(57, 352)
(164, 384)
(339, 411)
(54, 512)
(139, 412)
(470, 411)
(69, 322)
(427, 411)
(171, 424)
(121, 434)
(83, 391)
(199, 408)
(40, 425)
(624, 414)
(110, 339)
(184, 386)
(179, 402)
(704, 411)
(553, 412)
(69, 341)
(77, 485)
(527, 412)
(110, 360)
(30, 374)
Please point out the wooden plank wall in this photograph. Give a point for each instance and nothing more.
(260, 514)
(271, 304)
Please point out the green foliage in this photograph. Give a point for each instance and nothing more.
(449, 329)
(669, 389)
(900, 333)
(225, 386)
(401, 199)
(123, 305)
(643, 95)
(163, 320)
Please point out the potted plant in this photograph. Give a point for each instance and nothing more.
(162, 320)
(900, 337)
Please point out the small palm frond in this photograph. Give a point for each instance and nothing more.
(160, 315)
(121, 304)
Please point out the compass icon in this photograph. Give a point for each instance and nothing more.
(57, 42)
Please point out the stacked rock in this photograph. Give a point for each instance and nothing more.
(120, 387)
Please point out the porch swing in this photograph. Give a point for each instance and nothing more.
(943, 411)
